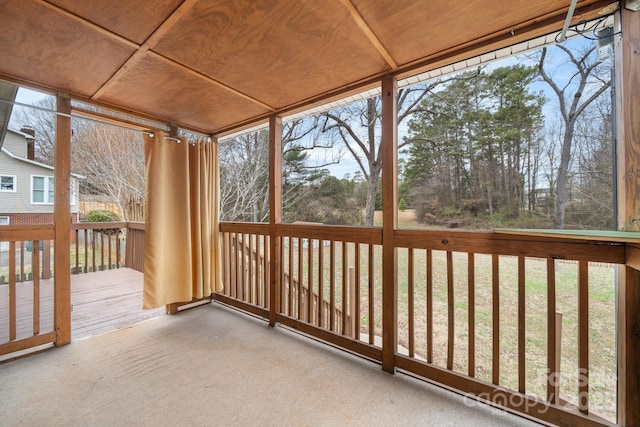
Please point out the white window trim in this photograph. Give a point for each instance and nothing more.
(7, 218)
(15, 183)
(47, 180)
(73, 191)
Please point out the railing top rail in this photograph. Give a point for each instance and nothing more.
(609, 236)
(98, 225)
(26, 232)
(244, 227)
(369, 235)
(547, 246)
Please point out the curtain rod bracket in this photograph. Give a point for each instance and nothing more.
(567, 21)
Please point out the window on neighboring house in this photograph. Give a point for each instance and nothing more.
(42, 189)
(7, 183)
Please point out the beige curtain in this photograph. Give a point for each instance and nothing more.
(182, 244)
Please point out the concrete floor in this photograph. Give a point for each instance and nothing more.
(214, 366)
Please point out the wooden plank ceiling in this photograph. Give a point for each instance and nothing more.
(213, 65)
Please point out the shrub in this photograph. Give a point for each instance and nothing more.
(103, 216)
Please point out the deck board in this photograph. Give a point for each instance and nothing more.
(101, 302)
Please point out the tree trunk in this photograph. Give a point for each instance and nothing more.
(563, 177)
(372, 192)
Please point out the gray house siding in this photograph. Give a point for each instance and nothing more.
(11, 164)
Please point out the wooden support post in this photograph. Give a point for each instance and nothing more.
(389, 147)
(628, 346)
(627, 85)
(275, 216)
(62, 216)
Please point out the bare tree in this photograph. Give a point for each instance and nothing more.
(357, 126)
(244, 178)
(582, 87)
(112, 159)
(244, 169)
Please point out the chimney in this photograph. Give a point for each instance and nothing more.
(31, 149)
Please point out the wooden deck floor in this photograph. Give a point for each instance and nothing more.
(102, 301)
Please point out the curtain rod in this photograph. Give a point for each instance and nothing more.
(21, 104)
(87, 115)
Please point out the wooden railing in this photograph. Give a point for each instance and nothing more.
(26, 310)
(483, 313)
(94, 247)
(99, 246)
(246, 272)
(517, 364)
(134, 257)
(26, 265)
(489, 314)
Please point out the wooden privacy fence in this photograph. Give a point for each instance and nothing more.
(478, 312)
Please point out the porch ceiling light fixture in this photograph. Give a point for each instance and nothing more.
(567, 21)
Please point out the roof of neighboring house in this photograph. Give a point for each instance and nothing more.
(33, 162)
(7, 93)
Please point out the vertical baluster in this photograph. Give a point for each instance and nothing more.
(117, 243)
(110, 237)
(310, 280)
(356, 294)
(300, 277)
(521, 326)
(372, 326)
(35, 273)
(22, 273)
(12, 290)
(93, 250)
(225, 267)
(345, 291)
(332, 286)
(252, 294)
(234, 268)
(429, 296)
(290, 278)
(86, 250)
(321, 318)
(258, 265)
(471, 282)
(101, 234)
(243, 267)
(265, 271)
(410, 302)
(451, 312)
(553, 379)
(495, 291)
(77, 252)
(583, 336)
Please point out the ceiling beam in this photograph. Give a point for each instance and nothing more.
(368, 32)
(151, 42)
(81, 20)
(213, 81)
(141, 50)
